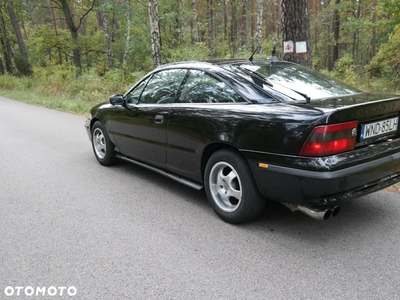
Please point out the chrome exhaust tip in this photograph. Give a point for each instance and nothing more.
(335, 211)
(317, 213)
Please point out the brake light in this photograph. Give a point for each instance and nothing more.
(330, 139)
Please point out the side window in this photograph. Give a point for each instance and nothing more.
(201, 87)
(163, 86)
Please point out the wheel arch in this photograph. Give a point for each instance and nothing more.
(211, 149)
(92, 121)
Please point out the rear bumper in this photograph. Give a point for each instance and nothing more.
(329, 186)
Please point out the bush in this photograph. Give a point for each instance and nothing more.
(344, 70)
(23, 66)
(187, 52)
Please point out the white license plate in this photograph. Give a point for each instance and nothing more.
(382, 127)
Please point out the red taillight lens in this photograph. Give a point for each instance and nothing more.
(330, 139)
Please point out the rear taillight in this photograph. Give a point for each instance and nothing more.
(330, 139)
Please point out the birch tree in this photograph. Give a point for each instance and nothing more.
(110, 62)
(128, 18)
(260, 12)
(195, 26)
(155, 32)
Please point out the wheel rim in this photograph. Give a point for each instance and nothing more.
(225, 187)
(99, 143)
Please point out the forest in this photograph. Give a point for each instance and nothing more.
(81, 51)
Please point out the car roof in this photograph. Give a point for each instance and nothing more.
(220, 62)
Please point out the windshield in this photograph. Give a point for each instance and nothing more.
(288, 77)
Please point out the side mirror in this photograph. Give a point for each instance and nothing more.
(117, 99)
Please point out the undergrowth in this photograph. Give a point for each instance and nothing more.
(62, 89)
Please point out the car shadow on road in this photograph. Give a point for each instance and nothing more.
(361, 219)
(358, 218)
(165, 184)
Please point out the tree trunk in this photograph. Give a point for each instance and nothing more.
(260, 12)
(1, 67)
(128, 33)
(244, 30)
(210, 28)
(17, 30)
(234, 29)
(155, 32)
(336, 25)
(74, 33)
(110, 62)
(5, 43)
(195, 27)
(374, 34)
(296, 28)
(356, 39)
(74, 29)
(53, 14)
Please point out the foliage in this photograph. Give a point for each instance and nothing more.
(22, 65)
(369, 39)
(188, 52)
(345, 70)
(386, 64)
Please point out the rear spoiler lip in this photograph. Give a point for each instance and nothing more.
(345, 101)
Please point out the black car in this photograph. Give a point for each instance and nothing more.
(248, 131)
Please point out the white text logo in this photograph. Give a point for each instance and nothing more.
(40, 291)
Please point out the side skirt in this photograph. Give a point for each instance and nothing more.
(182, 180)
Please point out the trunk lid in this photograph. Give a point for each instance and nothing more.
(377, 114)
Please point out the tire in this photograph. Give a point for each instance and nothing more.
(103, 148)
(230, 187)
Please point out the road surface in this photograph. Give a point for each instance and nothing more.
(71, 228)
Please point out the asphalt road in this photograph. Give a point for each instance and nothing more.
(71, 226)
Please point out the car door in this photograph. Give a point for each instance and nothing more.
(198, 118)
(141, 128)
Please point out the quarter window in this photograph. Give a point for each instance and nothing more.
(134, 95)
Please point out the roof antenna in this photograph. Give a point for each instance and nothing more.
(251, 57)
(273, 53)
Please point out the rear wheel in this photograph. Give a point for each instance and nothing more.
(103, 148)
(230, 187)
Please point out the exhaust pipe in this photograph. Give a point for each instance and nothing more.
(335, 211)
(317, 213)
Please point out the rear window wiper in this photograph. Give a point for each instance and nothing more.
(305, 96)
(256, 76)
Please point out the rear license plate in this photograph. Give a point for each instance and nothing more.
(378, 128)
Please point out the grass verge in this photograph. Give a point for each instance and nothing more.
(61, 103)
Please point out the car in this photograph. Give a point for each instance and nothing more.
(251, 131)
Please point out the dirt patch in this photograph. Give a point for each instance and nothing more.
(394, 188)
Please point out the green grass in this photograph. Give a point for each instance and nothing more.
(61, 89)
(61, 103)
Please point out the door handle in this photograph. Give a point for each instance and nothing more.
(159, 119)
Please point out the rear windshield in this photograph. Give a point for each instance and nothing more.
(289, 78)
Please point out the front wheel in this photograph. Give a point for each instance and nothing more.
(103, 148)
(230, 187)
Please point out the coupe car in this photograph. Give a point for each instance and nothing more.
(251, 131)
